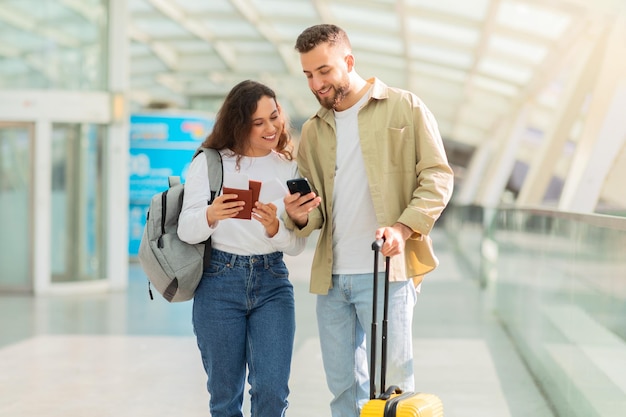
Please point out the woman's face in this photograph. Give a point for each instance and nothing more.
(267, 126)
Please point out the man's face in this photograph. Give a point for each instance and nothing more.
(326, 68)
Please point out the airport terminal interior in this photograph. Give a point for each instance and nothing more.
(102, 100)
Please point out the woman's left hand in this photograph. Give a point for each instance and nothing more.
(266, 214)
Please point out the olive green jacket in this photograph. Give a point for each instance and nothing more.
(408, 174)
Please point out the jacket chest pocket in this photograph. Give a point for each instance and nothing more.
(397, 149)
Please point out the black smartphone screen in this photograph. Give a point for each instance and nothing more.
(299, 185)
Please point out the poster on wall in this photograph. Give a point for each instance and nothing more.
(161, 145)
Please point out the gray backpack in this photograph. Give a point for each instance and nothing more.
(174, 267)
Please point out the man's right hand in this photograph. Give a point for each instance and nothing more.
(298, 207)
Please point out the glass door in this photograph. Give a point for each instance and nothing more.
(16, 206)
(77, 233)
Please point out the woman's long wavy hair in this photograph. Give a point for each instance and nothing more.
(233, 122)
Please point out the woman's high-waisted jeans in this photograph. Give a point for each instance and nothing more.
(243, 315)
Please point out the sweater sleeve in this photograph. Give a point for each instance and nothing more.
(192, 223)
(287, 240)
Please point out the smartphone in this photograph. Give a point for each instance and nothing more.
(299, 185)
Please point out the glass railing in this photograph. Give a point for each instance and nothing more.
(557, 282)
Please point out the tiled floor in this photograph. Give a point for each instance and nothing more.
(124, 355)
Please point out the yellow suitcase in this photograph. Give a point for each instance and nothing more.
(405, 404)
(393, 402)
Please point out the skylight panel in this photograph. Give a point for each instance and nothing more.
(534, 19)
(442, 56)
(378, 17)
(502, 70)
(505, 45)
(387, 43)
(474, 9)
(296, 9)
(430, 28)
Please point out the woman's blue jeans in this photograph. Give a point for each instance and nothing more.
(243, 316)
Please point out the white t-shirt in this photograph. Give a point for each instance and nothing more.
(238, 236)
(354, 218)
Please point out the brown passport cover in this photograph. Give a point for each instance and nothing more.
(249, 196)
(255, 187)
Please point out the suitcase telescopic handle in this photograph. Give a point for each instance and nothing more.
(376, 246)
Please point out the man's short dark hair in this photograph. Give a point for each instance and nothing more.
(319, 34)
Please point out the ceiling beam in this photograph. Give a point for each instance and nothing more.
(247, 9)
(162, 51)
(323, 10)
(194, 27)
(26, 23)
(405, 38)
(479, 53)
(90, 11)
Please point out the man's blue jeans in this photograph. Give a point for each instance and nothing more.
(243, 315)
(344, 318)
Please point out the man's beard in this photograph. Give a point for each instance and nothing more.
(331, 103)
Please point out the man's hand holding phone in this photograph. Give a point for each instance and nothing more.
(301, 201)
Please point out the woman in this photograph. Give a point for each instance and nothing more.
(243, 308)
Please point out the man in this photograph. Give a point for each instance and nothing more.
(375, 158)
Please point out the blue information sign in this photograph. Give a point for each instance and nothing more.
(161, 145)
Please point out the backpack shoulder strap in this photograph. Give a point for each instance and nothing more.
(214, 168)
(173, 180)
